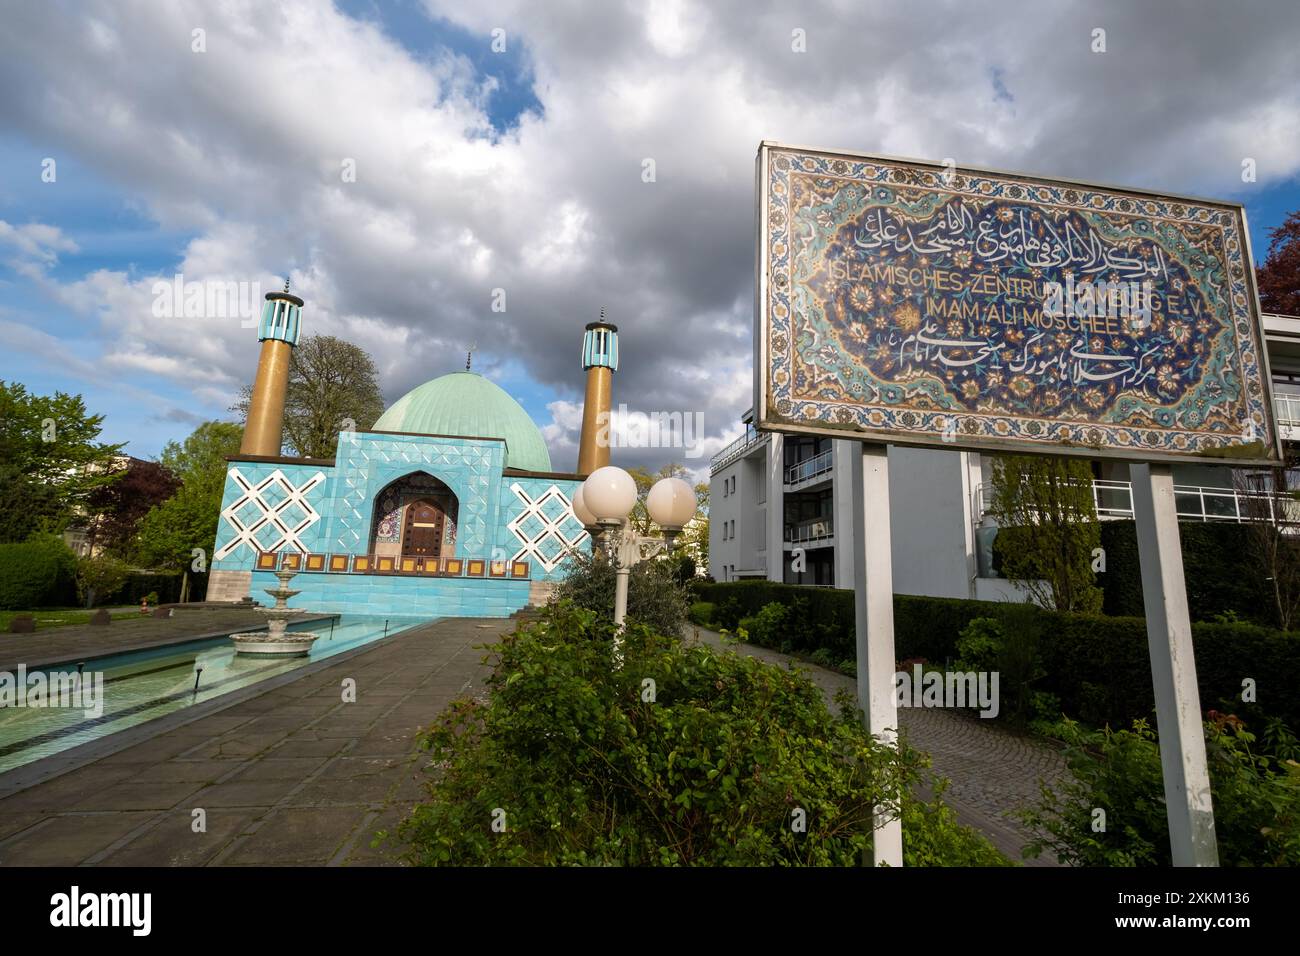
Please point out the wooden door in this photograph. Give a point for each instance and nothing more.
(422, 536)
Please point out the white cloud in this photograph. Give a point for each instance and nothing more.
(244, 145)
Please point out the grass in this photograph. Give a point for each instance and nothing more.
(47, 617)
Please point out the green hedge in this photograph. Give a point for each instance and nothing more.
(1219, 579)
(1099, 667)
(41, 572)
(166, 584)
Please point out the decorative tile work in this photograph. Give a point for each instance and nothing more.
(546, 528)
(279, 511)
(905, 303)
(367, 463)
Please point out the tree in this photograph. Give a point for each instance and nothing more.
(645, 480)
(187, 520)
(1048, 535)
(1279, 277)
(99, 577)
(116, 509)
(331, 383)
(1272, 513)
(50, 461)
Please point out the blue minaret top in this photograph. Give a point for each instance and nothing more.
(281, 317)
(600, 345)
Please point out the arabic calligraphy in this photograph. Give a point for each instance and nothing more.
(1027, 309)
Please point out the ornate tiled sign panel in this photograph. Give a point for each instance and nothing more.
(918, 304)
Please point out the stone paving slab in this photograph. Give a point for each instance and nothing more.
(293, 776)
(79, 642)
(993, 771)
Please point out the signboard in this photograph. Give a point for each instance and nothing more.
(918, 303)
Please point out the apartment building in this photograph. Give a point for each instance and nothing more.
(780, 505)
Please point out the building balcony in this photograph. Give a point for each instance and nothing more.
(817, 533)
(1286, 408)
(736, 449)
(1114, 500)
(813, 469)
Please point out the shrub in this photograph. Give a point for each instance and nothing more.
(1256, 800)
(822, 658)
(98, 577)
(39, 572)
(1097, 668)
(653, 596)
(1212, 564)
(701, 613)
(767, 627)
(711, 771)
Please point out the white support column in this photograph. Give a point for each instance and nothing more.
(842, 496)
(776, 507)
(1173, 669)
(874, 590)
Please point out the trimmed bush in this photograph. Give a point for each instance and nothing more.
(166, 585)
(1218, 582)
(701, 613)
(39, 572)
(1098, 667)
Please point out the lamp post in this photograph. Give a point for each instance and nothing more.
(607, 498)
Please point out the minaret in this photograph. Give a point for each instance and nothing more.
(599, 361)
(278, 333)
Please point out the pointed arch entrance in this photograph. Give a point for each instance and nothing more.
(415, 516)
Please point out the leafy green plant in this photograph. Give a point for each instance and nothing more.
(100, 576)
(1256, 799)
(980, 645)
(720, 759)
(654, 597)
(822, 657)
(39, 572)
(701, 613)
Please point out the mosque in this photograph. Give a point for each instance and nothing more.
(447, 506)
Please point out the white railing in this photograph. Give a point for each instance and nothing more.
(816, 530)
(812, 468)
(1114, 499)
(735, 450)
(1287, 408)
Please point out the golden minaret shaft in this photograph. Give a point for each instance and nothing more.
(600, 360)
(278, 332)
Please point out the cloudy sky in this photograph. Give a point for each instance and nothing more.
(227, 155)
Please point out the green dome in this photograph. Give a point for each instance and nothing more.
(468, 405)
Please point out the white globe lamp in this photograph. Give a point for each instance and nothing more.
(581, 511)
(609, 493)
(671, 504)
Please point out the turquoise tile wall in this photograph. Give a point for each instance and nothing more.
(399, 596)
(330, 510)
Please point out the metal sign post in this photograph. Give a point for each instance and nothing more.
(1173, 669)
(914, 303)
(873, 587)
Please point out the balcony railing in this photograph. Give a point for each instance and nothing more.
(735, 450)
(1114, 499)
(1287, 407)
(817, 529)
(812, 468)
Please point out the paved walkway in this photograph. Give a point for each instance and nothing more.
(294, 775)
(291, 776)
(993, 770)
(78, 642)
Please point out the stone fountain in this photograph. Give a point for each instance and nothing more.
(275, 640)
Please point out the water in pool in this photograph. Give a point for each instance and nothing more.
(144, 685)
